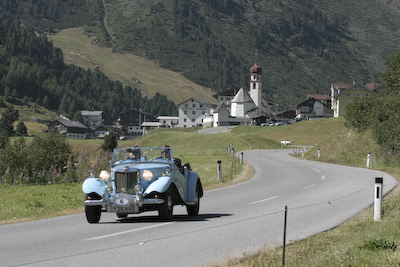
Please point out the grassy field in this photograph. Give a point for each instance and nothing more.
(358, 242)
(33, 116)
(131, 70)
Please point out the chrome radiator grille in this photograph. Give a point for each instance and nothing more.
(125, 182)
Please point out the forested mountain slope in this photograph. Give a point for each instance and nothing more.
(32, 69)
(303, 46)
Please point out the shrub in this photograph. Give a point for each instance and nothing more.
(358, 113)
(385, 123)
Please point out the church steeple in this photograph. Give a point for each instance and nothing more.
(256, 84)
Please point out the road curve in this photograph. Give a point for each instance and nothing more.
(233, 220)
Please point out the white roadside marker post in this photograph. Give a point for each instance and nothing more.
(368, 159)
(378, 198)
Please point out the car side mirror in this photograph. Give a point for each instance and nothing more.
(187, 165)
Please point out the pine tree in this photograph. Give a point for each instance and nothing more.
(21, 129)
(7, 120)
(110, 142)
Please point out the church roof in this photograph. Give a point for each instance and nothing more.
(242, 97)
(256, 69)
(229, 92)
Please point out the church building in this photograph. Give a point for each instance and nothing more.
(242, 105)
(235, 106)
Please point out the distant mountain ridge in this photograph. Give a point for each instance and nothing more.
(303, 46)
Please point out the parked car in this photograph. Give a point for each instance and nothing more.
(142, 179)
(285, 142)
(269, 123)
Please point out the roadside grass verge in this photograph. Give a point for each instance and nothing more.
(23, 203)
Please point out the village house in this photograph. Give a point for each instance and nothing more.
(171, 121)
(311, 108)
(192, 112)
(131, 121)
(343, 94)
(324, 99)
(92, 118)
(100, 131)
(71, 129)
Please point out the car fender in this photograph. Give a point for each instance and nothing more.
(160, 185)
(95, 185)
(192, 183)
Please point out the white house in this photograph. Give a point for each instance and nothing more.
(311, 108)
(168, 120)
(192, 112)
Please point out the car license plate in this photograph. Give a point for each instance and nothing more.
(122, 209)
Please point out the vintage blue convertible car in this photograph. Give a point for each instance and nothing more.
(142, 179)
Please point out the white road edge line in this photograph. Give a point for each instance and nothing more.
(130, 231)
(317, 170)
(263, 200)
(308, 187)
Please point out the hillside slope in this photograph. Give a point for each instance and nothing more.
(137, 72)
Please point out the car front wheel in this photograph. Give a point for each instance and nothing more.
(93, 213)
(165, 210)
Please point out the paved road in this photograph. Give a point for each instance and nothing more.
(214, 130)
(236, 219)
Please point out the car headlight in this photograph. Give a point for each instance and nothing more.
(147, 175)
(105, 176)
(109, 190)
(138, 189)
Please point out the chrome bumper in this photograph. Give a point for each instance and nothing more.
(134, 201)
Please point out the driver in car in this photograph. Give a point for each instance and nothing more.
(134, 153)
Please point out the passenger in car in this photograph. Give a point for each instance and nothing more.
(165, 154)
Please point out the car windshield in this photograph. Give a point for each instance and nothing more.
(142, 154)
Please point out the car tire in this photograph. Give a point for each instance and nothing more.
(166, 209)
(193, 210)
(93, 213)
